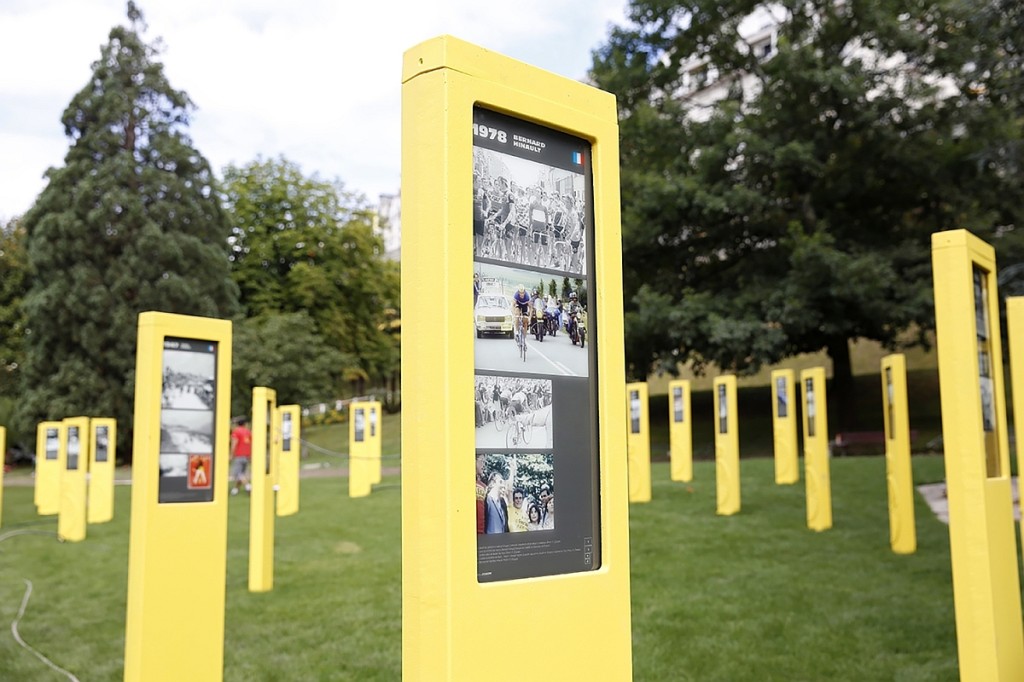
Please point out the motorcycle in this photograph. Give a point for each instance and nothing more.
(537, 326)
(581, 323)
(551, 322)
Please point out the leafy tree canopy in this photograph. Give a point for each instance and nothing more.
(792, 211)
(13, 287)
(129, 223)
(300, 243)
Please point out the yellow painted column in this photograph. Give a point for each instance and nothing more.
(638, 443)
(261, 500)
(71, 519)
(983, 542)
(727, 446)
(816, 454)
(784, 431)
(102, 460)
(177, 554)
(1015, 336)
(680, 431)
(290, 418)
(899, 476)
(360, 451)
(49, 466)
(470, 116)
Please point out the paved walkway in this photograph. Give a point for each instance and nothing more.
(935, 495)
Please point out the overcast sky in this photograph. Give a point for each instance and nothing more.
(317, 81)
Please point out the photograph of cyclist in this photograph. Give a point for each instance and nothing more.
(521, 327)
(528, 213)
(513, 412)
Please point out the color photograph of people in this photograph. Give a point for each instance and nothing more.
(528, 213)
(514, 493)
(513, 412)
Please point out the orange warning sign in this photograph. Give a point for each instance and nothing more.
(200, 472)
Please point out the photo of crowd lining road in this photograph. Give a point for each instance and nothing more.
(528, 213)
(513, 413)
(562, 353)
(515, 493)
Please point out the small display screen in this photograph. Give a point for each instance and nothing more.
(286, 431)
(986, 385)
(52, 444)
(634, 411)
(812, 409)
(781, 398)
(360, 425)
(890, 403)
(723, 410)
(677, 404)
(74, 448)
(187, 420)
(102, 443)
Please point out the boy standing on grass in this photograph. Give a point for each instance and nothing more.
(241, 454)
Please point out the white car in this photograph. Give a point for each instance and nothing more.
(493, 315)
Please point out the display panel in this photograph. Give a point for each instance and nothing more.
(634, 411)
(677, 405)
(535, 387)
(187, 419)
(52, 444)
(993, 465)
(812, 409)
(360, 425)
(286, 431)
(723, 410)
(373, 423)
(102, 443)
(269, 458)
(74, 448)
(890, 403)
(781, 398)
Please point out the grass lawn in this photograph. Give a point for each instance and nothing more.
(752, 597)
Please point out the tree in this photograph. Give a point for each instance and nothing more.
(304, 244)
(793, 214)
(129, 223)
(283, 351)
(13, 288)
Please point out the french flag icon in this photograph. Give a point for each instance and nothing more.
(577, 158)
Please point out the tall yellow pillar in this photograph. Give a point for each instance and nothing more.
(982, 539)
(290, 418)
(727, 446)
(899, 476)
(71, 520)
(680, 431)
(49, 466)
(784, 431)
(360, 451)
(261, 501)
(102, 460)
(816, 455)
(638, 443)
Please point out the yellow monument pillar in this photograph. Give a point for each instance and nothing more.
(478, 124)
(361, 465)
(177, 550)
(983, 543)
(899, 476)
(1015, 335)
(71, 519)
(816, 455)
(49, 467)
(290, 418)
(261, 501)
(102, 449)
(784, 423)
(727, 446)
(638, 443)
(680, 431)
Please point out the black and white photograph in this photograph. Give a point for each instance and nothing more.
(515, 493)
(634, 411)
(781, 397)
(890, 402)
(723, 410)
(988, 406)
(102, 444)
(359, 424)
(677, 404)
(528, 322)
(286, 431)
(188, 380)
(513, 413)
(52, 444)
(980, 304)
(183, 433)
(812, 409)
(373, 423)
(528, 213)
(74, 448)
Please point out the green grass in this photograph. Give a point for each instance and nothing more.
(755, 596)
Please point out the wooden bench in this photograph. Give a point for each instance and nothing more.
(848, 442)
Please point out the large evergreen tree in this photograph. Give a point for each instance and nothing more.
(131, 222)
(303, 244)
(794, 213)
(13, 287)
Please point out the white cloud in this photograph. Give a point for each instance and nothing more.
(317, 80)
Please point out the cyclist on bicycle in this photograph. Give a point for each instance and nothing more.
(521, 308)
(518, 405)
